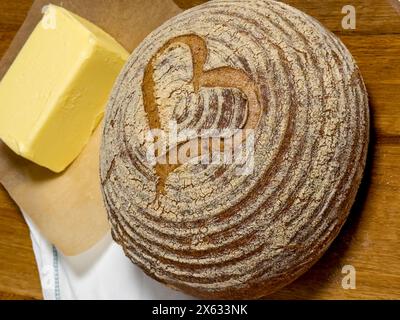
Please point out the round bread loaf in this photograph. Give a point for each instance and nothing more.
(234, 229)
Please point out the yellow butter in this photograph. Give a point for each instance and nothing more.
(54, 94)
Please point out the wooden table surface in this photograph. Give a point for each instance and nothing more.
(370, 239)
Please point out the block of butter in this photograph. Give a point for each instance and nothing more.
(54, 94)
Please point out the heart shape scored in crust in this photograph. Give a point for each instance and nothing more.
(224, 77)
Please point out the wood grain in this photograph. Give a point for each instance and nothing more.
(370, 238)
(19, 277)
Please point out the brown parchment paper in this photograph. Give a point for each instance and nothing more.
(68, 207)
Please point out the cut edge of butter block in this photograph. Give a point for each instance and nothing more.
(54, 94)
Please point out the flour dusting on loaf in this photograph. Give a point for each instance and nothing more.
(204, 229)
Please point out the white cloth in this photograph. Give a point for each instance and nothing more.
(101, 273)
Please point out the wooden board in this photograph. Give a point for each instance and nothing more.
(370, 239)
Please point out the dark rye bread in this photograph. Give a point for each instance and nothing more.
(260, 65)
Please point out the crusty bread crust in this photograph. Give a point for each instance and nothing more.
(259, 65)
